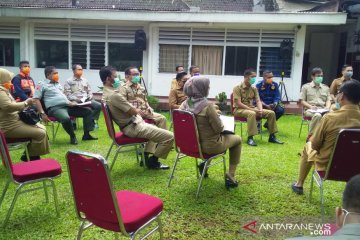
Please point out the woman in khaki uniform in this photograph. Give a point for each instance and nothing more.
(13, 127)
(210, 126)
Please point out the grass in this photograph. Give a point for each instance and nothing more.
(265, 174)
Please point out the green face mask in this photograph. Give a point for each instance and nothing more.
(252, 80)
(135, 79)
(318, 80)
(116, 83)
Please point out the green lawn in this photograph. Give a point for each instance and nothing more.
(265, 174)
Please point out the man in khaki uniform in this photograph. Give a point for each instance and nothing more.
(177, 96)
(132, 124)
(178, 69)
(314, 96)
(243, 96)
(347, 73)
(321, 144)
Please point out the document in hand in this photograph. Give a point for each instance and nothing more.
(322, 111)
(84, 104)
(229, 124)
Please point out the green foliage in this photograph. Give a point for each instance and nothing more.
(153, 101)
(264, 174)
(221, 97)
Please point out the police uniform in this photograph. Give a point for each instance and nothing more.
(269, 94)
(13, 127)
(24, 87)
(176, 97)
(134, 126)
(317, 96)
(212, 141)
(248, 95)
(57, 105)
(135, 94)
(78, 89)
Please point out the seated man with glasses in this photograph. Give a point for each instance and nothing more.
(321, 144)
(177, 96)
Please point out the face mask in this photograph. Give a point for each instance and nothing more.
(7, 85)
(116, 83)
(348, 74)
(337, 103)
(78, 73)
(269, 80)
(135, 79)
(25, 70)
(252, 80)
(196, 74)
(318, 80)
(55, 77)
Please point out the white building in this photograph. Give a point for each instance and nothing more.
(222, 37)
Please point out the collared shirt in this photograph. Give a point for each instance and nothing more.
(24, 87)
(269, 93)
(174, 84)
(51, 93)
(246, 94)
(315, 95)
(176, 97)
(336, 84)
(135, 94)
(323, 140)
(77, 89)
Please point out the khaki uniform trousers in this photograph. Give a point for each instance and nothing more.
(39, 144)
(163, 138)
(315, 120)
(309, 155)
(160, 122)
(226, 141)
(251, 120)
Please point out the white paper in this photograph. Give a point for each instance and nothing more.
(229, 124)
(84, 104)
(83, 99)
(319, 110)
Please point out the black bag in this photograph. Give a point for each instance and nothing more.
(29, 116)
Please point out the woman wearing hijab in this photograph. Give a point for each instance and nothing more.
(210, 126)
(13, 127)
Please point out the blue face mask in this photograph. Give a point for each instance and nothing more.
(116, 83)
(337, 103)
(348, 74)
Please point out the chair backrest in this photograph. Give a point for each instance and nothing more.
(92, 190)
(232, 103)
(108, 120)
(186, 133)
(345, 161)
(5, 156)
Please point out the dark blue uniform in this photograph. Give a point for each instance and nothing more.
(269, 94)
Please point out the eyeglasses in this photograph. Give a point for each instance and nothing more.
(135, 74)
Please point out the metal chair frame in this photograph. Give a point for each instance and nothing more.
(304, 121)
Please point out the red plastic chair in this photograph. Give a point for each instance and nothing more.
(344, 162)
(18, 143)
(26, 173)
(187, 144)
(120, 139)
(96, 203)
(305, 120)
(242, 120)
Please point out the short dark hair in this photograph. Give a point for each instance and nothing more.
(351, 90)
(48, 70)
(266, 72)
(345, 66)
(106, 72)
(23, 62)
(75, 65)
(351, 195)
(127, 70)
(248, 72)
(179, 76)
(316, 70)
(178, 66)
(192, 68)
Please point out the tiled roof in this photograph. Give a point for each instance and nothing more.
(222, 5)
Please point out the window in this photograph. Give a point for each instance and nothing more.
(52, 53)
(270, 60)
(240, 58)
(97, 55)
(208, 58)
(9, 52)
(79, 53)
(172, 56)
(123, 55)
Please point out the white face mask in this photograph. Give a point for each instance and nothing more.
(346, 214)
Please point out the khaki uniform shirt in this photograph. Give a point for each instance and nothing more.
(246, 94)
(323, 140)
(176, 97)
(315, 95)
(77, 89)
(51, 93)
(174, 84)
(336, 84)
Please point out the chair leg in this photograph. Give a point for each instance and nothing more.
(108, 153)
(196, 168)
(136, 153)
(12, 204)
(143, 156)
(301, 127)
(160, 227)
(322, 201)
(115, 157)
(224, 161)
(241, 134)
(173, 169)
(81, 230)
(55, 197)
(311, 186)
(45, 191)
(202, 177)
(26, 152)
(4, 191)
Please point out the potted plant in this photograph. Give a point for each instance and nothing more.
(221, 99)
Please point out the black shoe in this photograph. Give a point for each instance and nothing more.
(297, 190)
(160, 166)
(153, 163)
(32, 158)
(201, 167)
(73, 140)
(273, 139)
(251, 142)
(88, 137)
(74, 125)
(24, 157)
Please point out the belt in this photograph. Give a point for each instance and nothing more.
(129, 123)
